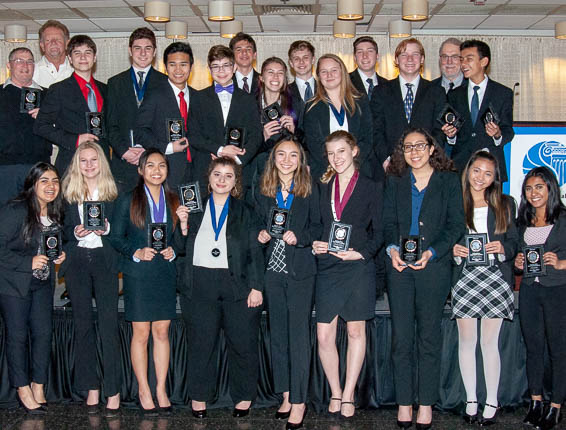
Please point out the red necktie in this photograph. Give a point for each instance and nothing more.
(184, 114)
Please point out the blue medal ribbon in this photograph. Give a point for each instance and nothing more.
(140, 92)
(157, 212)
(340, 116)
(285, 204)
(223, 215)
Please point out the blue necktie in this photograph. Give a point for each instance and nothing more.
(308, 92)
(409, 98)
(91, 99)
(475, 107)
(370, 88)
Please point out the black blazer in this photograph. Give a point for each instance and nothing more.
(555, 242)
(441, 218)
(317, 127)
(151, 129)
(389, 120)
(471, 138)
(363, 211)
(357, 81)
(15, 255)
(121, 116)
(207, 130)
(509, 240)
(127, 238)
(72, 219)
(245, 257)
(305, 223)
(62, 118)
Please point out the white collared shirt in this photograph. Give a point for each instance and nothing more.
(46, 74)
(365, 79)
(91, 240)
(10, 82)
(302, 85)
(225, 99)
(481, 91)
(404, 88)
(240, 79)
(176, 91)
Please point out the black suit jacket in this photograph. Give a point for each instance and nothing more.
(317, 127)
(62, 118)
(389, 120)
(471, 138)
(151, 129)
(357, 81)
(245, 257)
(121, 114)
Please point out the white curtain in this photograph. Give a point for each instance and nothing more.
(537, 63)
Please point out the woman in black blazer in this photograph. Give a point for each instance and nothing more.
(483, 291)
(345, 282)
(143, 223)
(422, 212)
(92, 269)
(27, 281)
(337, 106)
(290, 271)
(542, 298)
(222, 288)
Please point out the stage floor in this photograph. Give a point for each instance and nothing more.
(74, 417)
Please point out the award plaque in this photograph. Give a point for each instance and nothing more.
(30, 99)
(51, 244)
(477, 255)
(157, 236)
(189, 196)
(534, 264)
(235, 136)
(410, 249)
(93, 216)
(273, 112)
(449, 115)
(94, 123)
(278, 222)
(490, 115)
(339, 239)
(175, 129)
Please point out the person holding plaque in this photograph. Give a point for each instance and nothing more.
(144, 219)
(484, 273)
(542, 227)
(27, 280)
(423, 218)
(288, 206)
(92, 270)
(350, 208)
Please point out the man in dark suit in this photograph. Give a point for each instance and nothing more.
(126, 91)
(364, 78)
(245, 54)
(449, 63)
(487, 108)
(219, 109)
(301, 60)
(167, 106)
(407, 101)
(63, 118)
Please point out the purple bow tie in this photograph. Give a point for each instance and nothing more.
(219, 88)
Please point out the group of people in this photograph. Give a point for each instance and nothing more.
(312, 192)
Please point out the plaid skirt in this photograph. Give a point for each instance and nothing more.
(481, 292)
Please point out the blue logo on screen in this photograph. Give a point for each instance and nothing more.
(548, 153)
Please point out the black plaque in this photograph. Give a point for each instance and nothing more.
(534, 263)
(273, 112)
(490, 115)
(235, 136)
(477, 255)
(339, 239)
(410, 249)
(189, 196)
(30, 99)
(51, 244)
(93, 216)
(175, 129)
(278, 222)
(94, 123)
(157, 236)
(450, 116)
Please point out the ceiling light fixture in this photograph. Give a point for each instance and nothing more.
(560, 30)
(176, 30)
(228, 29)
(350, 9)
(15, 33)
(400, 28)
(415, 10)
(344, 29)
(220, 10)
(156, 11)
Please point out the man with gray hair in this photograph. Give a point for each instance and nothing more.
(54, 66)
(449, 63)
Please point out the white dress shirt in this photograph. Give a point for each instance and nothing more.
(46, 74)
(240, 79)
(185, 92)
(302, 85)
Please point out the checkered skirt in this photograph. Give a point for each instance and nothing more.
(481, 292)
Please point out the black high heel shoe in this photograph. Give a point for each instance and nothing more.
(295, 426)
(550, 419)
(148, 412)
(534, 413)
(470, 419)
(41, 410)
(486, 422)
(404, 424)
(282, 415)
(240, 413)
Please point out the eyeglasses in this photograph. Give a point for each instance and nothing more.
(453, 58)
(218, 67)
(416, 147)
(21, 62)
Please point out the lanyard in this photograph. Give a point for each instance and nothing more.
(140, 92)
(223, 215)
(285, 204)
(337, 204)
(340, 116)
(157, 211)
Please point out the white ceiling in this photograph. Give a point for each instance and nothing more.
(122, 16)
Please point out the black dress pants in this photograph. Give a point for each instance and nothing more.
(28, 318)
(89, 276)
(212, 307)
(289, 308)
(543, 319)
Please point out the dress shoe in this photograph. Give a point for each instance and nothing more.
(148, 412)
(165, 411)
(421, 426)
(111, 413)
(534, 414)
(282, 415)
(470, 419)
(404, 424)
(335, 413)
(550, 419)
(240, 413)
(295, 426)
(41, 410)
(486, 422)
(344, 416)
(199, 414)
(92, 409)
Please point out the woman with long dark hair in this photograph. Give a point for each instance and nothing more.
(542, 298)
(484, 292)
(27, 280)
(423, 218)
(143, 224)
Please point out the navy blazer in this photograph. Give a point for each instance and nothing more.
(359, 85)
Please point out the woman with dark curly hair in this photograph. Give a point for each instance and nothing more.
(423, 218)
